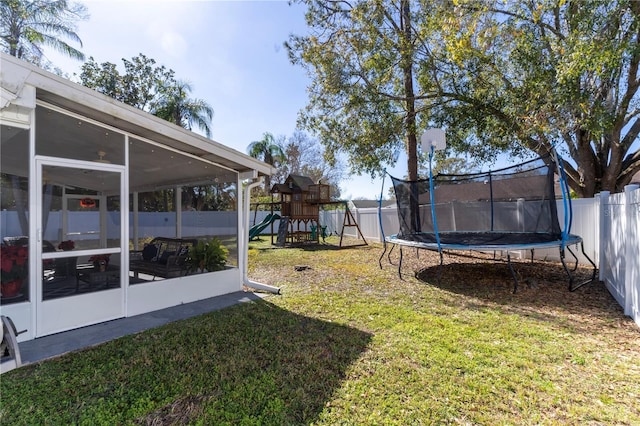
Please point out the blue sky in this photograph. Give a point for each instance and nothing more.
(230, 51)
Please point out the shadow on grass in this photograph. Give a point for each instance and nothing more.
(252, 363)
(325, 247)
(543, 288)
(312, 247)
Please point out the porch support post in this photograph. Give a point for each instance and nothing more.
(178, 203)
(136, 221)
(243, 244)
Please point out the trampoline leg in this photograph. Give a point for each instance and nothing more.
(513, 273)
(400, 264)
(595, 268)
(532, 250)
(388, 254)
(382, 255)
(575, 266)
(440, 267)
(566, 269)
(593, 274)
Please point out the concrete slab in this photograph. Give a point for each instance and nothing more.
(61, 343)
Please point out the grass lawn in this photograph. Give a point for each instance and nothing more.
(348, 343)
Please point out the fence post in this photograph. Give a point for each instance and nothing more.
(631, 278)
(597, 236)
(604, 215)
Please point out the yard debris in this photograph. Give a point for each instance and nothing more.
(300, 268)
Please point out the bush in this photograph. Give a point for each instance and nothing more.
(207, 256)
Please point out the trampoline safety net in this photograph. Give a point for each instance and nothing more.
(514, 205)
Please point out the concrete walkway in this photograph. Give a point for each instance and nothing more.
(61, 343)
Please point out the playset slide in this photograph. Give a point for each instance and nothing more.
(256, 229)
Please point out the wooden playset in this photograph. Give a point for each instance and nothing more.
(299, 200)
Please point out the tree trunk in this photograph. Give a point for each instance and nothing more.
(406, 64)
(612, 170)
(407, 71)
(586, 160)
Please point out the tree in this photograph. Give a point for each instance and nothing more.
(142, 85)
(453, 166)
(174, 105)
(151, 88)
(220, 196)
(304, 156)
(28, 26)
(525, 76)
(517, 77)
(361, 58)
(267, 150)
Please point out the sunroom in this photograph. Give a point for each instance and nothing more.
(87, 184)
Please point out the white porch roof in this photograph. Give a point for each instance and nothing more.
(17, 76)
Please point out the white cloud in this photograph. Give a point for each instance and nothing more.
(171, 42)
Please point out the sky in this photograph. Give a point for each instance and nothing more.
(231, 52)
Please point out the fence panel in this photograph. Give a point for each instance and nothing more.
(205, 223)
(620, 248)
(333, 220)
(632, 278)
(586, 219)
(367, 220)
(612, 237)
(632, 307)
(585, 224)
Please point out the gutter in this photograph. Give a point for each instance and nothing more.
(245, 236)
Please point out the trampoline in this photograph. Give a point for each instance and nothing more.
(509, 209)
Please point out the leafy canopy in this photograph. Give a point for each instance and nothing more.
(151, 88)
(141, 84)
(516, 77)
(526, 76)
(26, 27)
(360, 57)
(174, 105)
(269, 151)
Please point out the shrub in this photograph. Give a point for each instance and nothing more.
(207, 256)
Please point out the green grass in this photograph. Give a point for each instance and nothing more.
(349, 343)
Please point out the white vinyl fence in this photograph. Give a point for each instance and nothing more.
(620, 248)
(151, 224)
(367, 219)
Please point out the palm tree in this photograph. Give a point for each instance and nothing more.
(174, 105)
(268, 151)
(28, 26)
